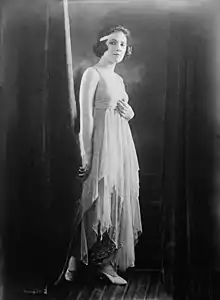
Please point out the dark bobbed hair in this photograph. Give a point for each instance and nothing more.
(100, 47)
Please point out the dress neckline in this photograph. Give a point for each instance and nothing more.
(104, 72)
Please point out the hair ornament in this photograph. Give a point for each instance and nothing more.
(104, 38)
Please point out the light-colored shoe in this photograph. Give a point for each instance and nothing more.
(71, 270)
(116, 279)
(69, 275)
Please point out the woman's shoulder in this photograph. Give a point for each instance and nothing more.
(91, 70)
(91, 73)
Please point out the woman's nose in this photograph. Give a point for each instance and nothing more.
(118, 48)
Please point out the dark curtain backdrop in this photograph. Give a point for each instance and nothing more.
(41, 152)
(169, 80)
(188, 172)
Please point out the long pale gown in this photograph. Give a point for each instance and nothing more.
(110, 196)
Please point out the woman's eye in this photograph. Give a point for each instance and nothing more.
(115, 43)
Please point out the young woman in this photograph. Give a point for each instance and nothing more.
(110, 221)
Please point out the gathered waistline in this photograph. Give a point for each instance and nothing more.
(105, 107)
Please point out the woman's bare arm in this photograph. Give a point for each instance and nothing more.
(88, 87)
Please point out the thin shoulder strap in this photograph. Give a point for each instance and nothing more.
(100, 74)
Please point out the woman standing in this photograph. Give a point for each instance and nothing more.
(110, 221)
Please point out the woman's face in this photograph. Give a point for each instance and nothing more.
(117, 45)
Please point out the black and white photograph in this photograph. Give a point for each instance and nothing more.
(109, 149)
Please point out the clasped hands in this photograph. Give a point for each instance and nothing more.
(125, 110)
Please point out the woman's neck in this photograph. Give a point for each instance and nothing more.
(106, 65)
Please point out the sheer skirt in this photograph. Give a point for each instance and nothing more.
(109, 214)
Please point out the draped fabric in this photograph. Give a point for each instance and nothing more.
(69, 60)
(40, 148)
(110, 197)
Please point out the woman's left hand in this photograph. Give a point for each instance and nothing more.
(125, 110)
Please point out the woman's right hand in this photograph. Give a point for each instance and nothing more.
(84, 170)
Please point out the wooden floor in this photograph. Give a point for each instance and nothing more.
(196, 285)
(141, 285)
